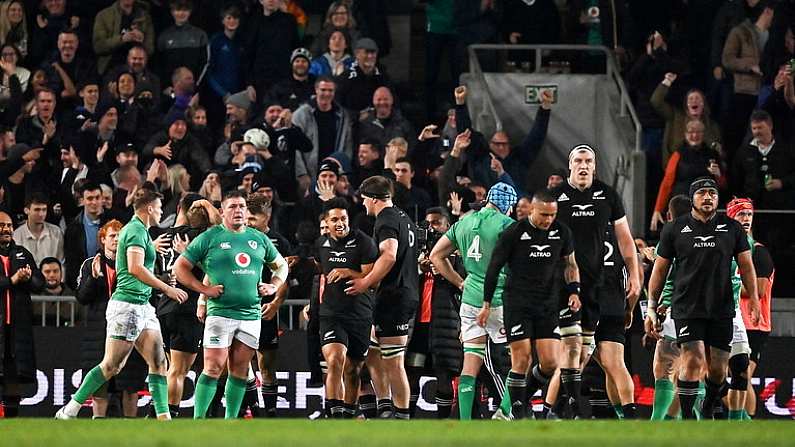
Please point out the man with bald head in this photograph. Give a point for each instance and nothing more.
(488, 162)
(19, 278)
(383, 121)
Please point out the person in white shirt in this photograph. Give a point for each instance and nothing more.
(41, 238)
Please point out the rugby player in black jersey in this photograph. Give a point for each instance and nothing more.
(534, 248)
(703, 244)
(396, 277)
(345, 320)
(182, 331)
(259, 216)
(586, 205)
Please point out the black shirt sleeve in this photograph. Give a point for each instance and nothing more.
(666, 247)
(617, 207)
(386, 229)
(568, 241)
(369, 250)
(763, 262)
(499, 257)
(741, 244)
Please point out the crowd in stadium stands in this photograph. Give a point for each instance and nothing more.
(101, 100)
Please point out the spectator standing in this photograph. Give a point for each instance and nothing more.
(271, 41)
(742, 56)
(19, 278)
(765, 173)
(80, 237)
(694, 107)
(299, 87)
(358, 83)
(119, 27)
(440, 37)
(40, 238)
(338, 18)
(224, 75)
(14, 26)
(182, 45)
(327, 125)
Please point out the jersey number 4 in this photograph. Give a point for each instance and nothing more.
(474, 249)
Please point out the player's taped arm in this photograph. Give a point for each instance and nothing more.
(439, 257)
(386, 259)
(202, 301)
(656, 281)
(748, 274)
(135, 265)
(280, 271)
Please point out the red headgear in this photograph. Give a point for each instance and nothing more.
(737, 205)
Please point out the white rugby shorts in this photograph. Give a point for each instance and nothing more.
(494, 325)
(126, 321)
(220, 331)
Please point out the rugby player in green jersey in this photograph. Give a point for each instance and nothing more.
(475, 236)
(232, 257)
(132, 322)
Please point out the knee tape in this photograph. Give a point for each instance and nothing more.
(574, 330)
(738, 365)
(476, 349)
(392, 351)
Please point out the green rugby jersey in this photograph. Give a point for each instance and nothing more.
(234, 260)
(475, 236)
(129, 288)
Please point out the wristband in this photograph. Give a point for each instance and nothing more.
(573, 288)
(202, 301)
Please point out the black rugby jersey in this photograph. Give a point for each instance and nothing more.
(284, 248)
(534, 256)
(587, 213)
(393, 223)
(703, 252)
(351, 252)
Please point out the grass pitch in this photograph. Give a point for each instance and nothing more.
(295, 433)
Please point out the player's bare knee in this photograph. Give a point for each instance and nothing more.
(520, 364)
(548, 364)
(109, 369)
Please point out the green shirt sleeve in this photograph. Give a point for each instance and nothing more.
(197, 249)
(136, 238)
(451, 235)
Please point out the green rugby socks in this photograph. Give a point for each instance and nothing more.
(91, 382)
(466, 395)
(663, 397)
(234, 392)
(205, 391)
(158, 389)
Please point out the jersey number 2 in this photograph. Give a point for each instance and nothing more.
(474, 249)
(607, 261)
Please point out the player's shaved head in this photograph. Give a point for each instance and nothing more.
(543, 209)
(544, 196)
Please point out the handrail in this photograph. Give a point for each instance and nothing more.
(474, 67)
(612, 72)
(69, 299)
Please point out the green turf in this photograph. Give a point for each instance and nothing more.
(294, 433)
